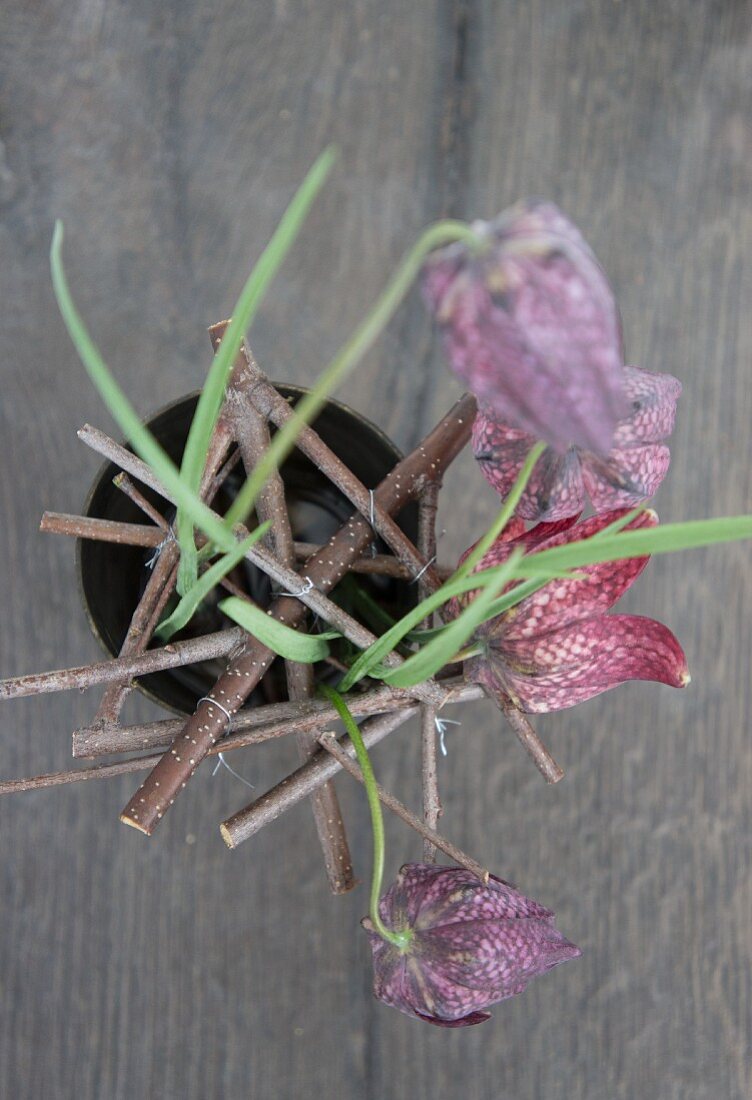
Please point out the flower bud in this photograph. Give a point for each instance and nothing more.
(471, 945)
(531, 326)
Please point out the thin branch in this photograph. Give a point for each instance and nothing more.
(429, 771)
(274, 407)
(103, 530)
(532, 743)
(253, 438)
(253, 725)
(301, 783)
(120, 669)
(134, 534)
(329, 742)
(123, 482)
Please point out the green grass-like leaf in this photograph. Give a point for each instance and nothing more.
(126, 417)
(440, 651)
(246, 307)
(288, 643)
(191, 599)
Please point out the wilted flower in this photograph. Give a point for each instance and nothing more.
(558, 647)
(629, 474)
(471, 945)
(531, 325)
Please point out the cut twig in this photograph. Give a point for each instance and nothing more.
(429, 771)
(301, 783)
(274, 407)
(532, 743)
(134, 534)
(211, 720)
(329, 742)
(252, 725)
(253, 438)
(120, 669)
(103, 530)
(123, 482)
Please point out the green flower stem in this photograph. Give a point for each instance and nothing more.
(362, 340)
(504, 516)
(399, 939)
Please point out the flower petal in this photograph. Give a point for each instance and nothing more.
(555, 489)
(626, 477)
(532, 327)
(497, 958)
(558, 670)
(565, 601)
(652, 400)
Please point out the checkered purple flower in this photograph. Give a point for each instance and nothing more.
(531, 326)
(559, 646)
(471, 945)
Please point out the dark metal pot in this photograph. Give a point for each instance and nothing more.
(112, 577)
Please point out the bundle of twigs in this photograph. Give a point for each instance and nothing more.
(302, 575)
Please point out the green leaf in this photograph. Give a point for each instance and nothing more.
(349, 355)
(208, 580)
(288, 643)
(246, 307)
(128, 420)
(643, 541)
(440, 651)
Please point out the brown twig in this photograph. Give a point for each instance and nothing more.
(210, 721)
(122, 482)
(301, 783)
(134, 534)
(274, 407)
(253, 725)
(253, 438)
(120, 669)
(289, 718)
(76, 775)
(103, 530)
(429, 771)
(532, 743)
(430, 836)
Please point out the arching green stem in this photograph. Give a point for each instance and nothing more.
(351, 352)
(399, 939)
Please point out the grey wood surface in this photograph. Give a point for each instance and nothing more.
(169, 137)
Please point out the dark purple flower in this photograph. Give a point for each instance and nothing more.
(531, 326)
(629, 474)
(559, 647)
(471, 945)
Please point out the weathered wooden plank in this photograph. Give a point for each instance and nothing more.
(169, 137)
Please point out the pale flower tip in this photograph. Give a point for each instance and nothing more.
(685, 678)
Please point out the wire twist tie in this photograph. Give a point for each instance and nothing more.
(219, 706)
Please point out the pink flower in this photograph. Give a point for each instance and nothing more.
(471, 945)
(629, 474)
(559, 647)
(531, 326)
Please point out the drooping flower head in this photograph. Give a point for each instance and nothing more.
(559, 647)
(630, 473)
(471, 945)
(531, 326)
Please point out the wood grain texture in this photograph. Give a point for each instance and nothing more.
(169, 137)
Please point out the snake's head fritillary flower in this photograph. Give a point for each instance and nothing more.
(471, 945)
(531, 326)
(630, 473)
(559, 646)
